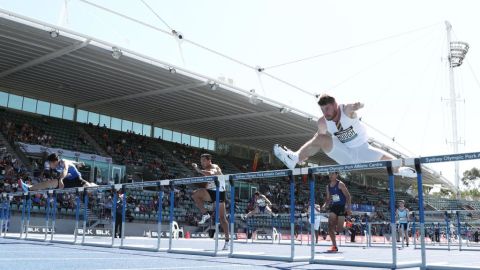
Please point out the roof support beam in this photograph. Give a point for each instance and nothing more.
(116, 68)
(278, 136)
(244, 108)
(143, 94)
(218, 118)
(45, 58)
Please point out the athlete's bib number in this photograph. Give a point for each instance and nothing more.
(261, 203)
(335, 198)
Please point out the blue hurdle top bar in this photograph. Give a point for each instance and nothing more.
(148, 184)
(355, 167)
(194, 180)
(266, 174)
(445, 158)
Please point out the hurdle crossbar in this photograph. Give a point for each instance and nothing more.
(417, 162)
(160, 185)
(388, 165)
(76, 191)
(260, 175)
(22, 220)
(47, 215)
(85, 217)
(188, 181)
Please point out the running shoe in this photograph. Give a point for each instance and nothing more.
(287, 156)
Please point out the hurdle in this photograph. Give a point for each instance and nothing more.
(4, 214)
(261, 256)
(460, 231)
(394, 264)
(275, 234)
(191, 251)
(160, 185)
(417, 162)
(366, 239)
(56, 192)
(50, 218)
(445, 224)
(8, 235)
(370, 243)
(460, 235)
(45, 229)
(111, 243)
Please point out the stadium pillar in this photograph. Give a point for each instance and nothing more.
(75, 110)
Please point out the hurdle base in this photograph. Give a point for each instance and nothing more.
(64, 242)
(223, 253)
(98, 245)
(269, 243)
(269, 257)
(439, 248)
(144, 248)
(13, 237)
(379, 246)
(36, 240)
(352, 245)
(450, 267)
(371, 264)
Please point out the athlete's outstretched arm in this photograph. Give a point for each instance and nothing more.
(327, 199)
(350, 109)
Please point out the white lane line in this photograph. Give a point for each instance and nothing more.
(65, 258)
(180, 267)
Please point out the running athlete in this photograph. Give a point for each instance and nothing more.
(339, 201)
(317, 210)
(202, 195)
(341, 136)
(69, 177)
(262, 206)
(402, 214)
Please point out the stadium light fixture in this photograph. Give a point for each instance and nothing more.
(116, 53)
(54, 33)
(213, 85)
(458, 51)
(253, 98)
(284, 110)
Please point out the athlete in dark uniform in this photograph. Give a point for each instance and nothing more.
(339, 201)
(69, 177)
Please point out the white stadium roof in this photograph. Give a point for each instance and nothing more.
(79, 71)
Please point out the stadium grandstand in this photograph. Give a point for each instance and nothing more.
(132, 118)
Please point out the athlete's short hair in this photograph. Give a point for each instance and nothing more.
(52, 157)
(206, 156)
(325, 99)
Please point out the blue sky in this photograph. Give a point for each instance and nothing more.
(401, 80)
